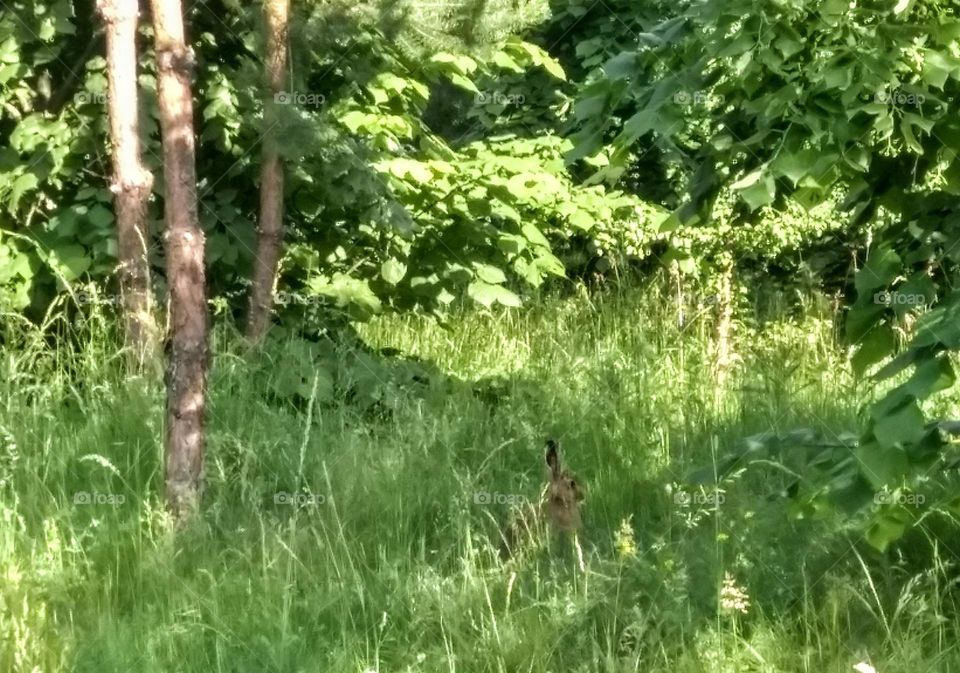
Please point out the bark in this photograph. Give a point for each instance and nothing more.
(270, 227)
(184, 240)
(131, 181)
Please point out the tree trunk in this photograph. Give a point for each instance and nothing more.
(188, 349)
(270, 228)
(131, 181)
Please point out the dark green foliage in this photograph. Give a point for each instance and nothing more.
(786, 104)
(389, 207)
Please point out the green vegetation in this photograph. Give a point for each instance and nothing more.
(388, 559)
(794, 104)
(710, 247)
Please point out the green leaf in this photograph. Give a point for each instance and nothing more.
(788, 44)
(464, 82)
(882, 465)
(794, 166)
(902, 6)
(393, 271)
(347, 292)
(902, 425)
(23, 184)
(931, 376)
(14, 263)
(409, 169)
(511, 244)
(527, 271)
(354, 119)
(72, 261)
(582, 220)
(938, 327)
(534, 235)
(882, 266)
(10, 51)
(907, 123)
(487, 294)
(100, 217)
(504, 60)
(294, 381)
(549, 264)
(506, 211)
(877, 345)
(899, 363)
(553, 67)
(639, 125)
(590, 107)
(886, 529)
(757, 189)
(456, 63)
(489, 274)
(938, 66)
(831, 9)
(838, 77)
(622, 65)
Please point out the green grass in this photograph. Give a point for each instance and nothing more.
(393, 566)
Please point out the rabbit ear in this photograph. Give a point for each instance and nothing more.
(553, 458)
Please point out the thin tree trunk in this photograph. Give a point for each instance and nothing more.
(131, 181)
(187, 365)
(270, 228)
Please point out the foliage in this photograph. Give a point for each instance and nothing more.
(428, 161)
(385, 210)
(322, 517)
(788, 102)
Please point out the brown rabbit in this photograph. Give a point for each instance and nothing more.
(557, 511)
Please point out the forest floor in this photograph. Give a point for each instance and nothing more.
(352, 517)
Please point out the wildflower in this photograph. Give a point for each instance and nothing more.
(624, 541)
(733, 598)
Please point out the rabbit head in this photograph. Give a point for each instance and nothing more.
(563, 494)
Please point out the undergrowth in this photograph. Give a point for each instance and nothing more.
(354, 502)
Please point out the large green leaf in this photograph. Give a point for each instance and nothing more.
(873, 348)
(488, 294)
(901, 425)
(881, 268)
(757, 189)
(71, 260)
(882, 465)
(489, 274)
(393, 271)
(887, 527)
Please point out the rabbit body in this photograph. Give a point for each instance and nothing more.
(556, 511)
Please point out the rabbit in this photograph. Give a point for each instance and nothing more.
(557, 511)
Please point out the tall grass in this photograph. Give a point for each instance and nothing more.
(340, 536)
